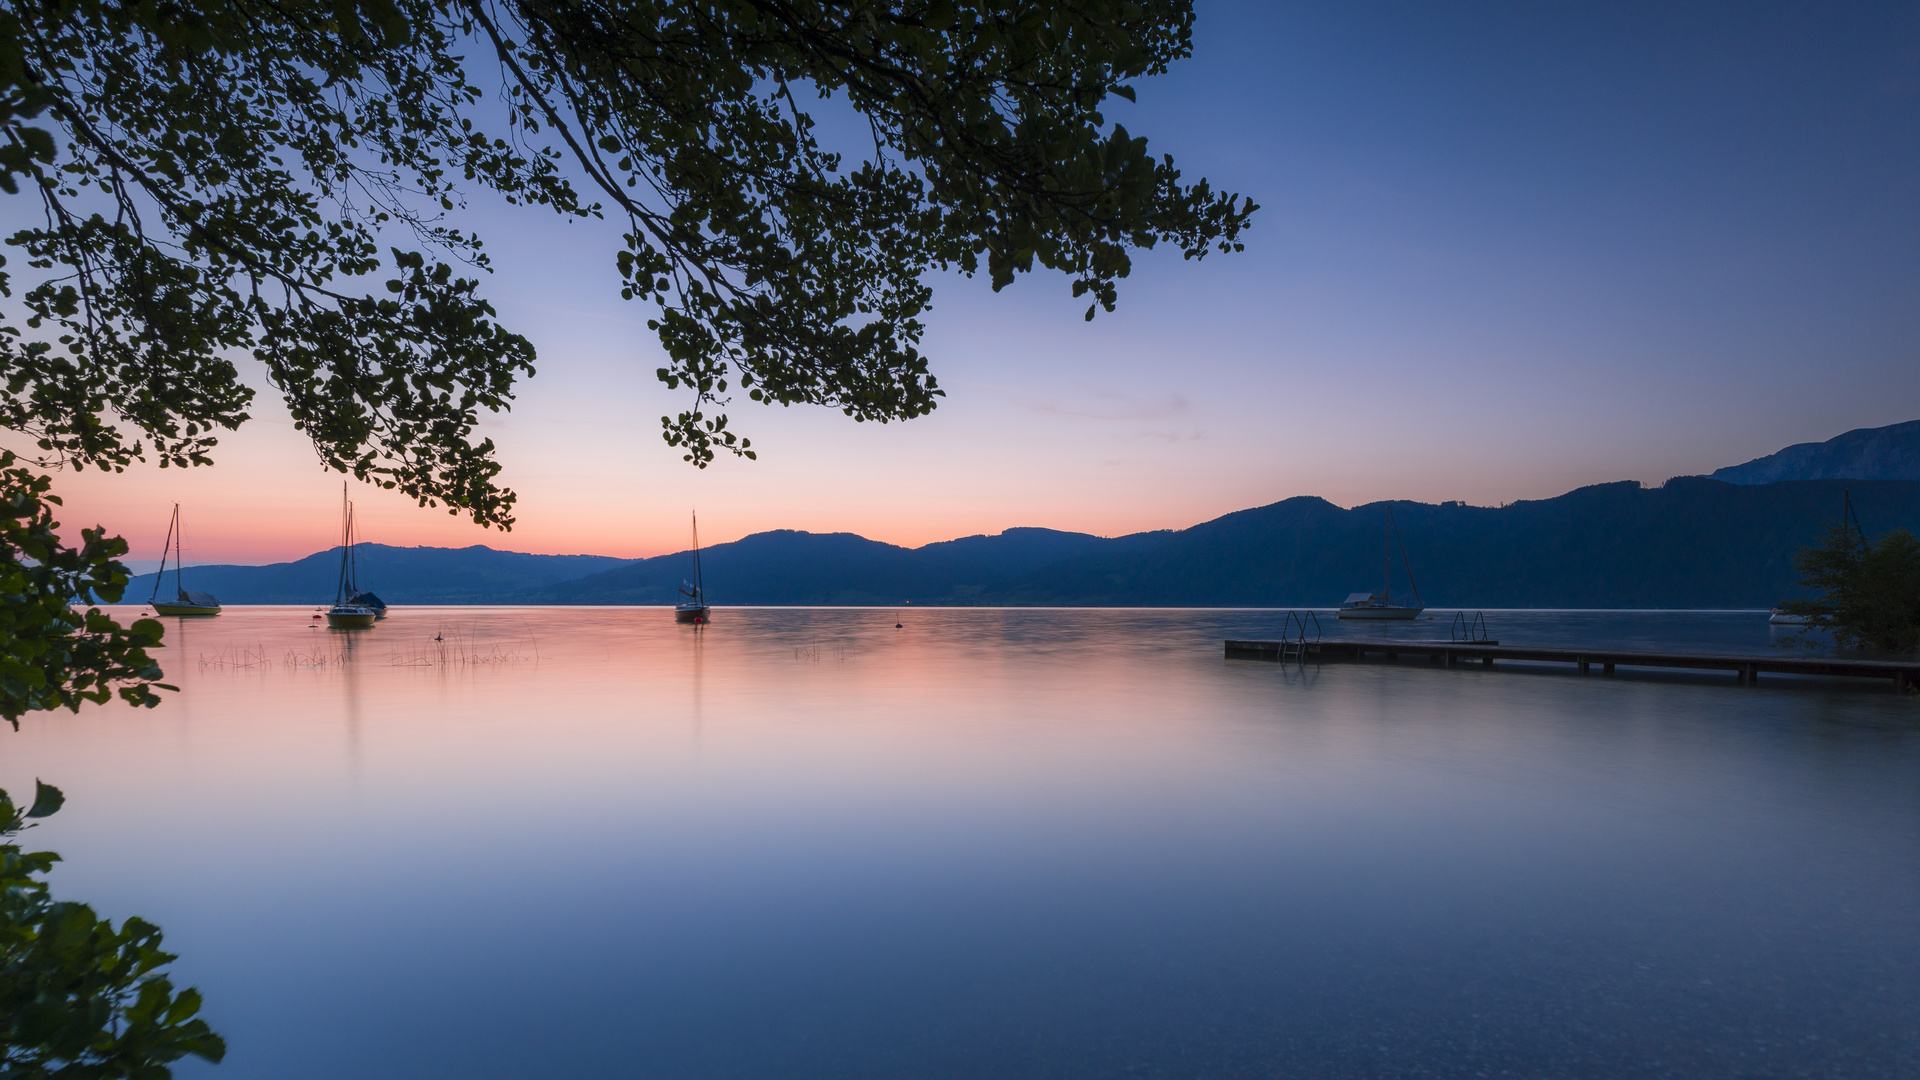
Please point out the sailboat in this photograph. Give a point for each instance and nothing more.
(187, 603)
(347, 612)
(1380, 605)
(693, 607)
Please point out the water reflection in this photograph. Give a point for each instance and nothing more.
(350, 679)
(1011, 843)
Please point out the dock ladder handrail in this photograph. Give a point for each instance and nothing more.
(1465, 629)
(1293, 635)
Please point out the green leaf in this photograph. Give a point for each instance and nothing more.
(47, 800)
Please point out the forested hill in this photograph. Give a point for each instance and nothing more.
(789, 567)
(416, 575)
(1692, 542)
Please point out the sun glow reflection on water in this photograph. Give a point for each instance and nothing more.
(1025, 843)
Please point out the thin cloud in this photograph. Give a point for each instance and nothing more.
(1109, 405)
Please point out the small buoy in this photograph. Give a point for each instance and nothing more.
(697, 620)
(899, 626)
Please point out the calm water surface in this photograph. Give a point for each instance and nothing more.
(802, 843)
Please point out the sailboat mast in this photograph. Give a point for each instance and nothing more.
(1408, 564)
(340, 589)
(161, 574)
(180, 555)
(1386, 560)
(353, 564)
(699, 580)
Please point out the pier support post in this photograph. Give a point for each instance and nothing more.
(1486, 661)
(1606, 669)
(1584, 667)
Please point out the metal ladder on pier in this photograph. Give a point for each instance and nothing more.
(1469, 630)
(1293, 636)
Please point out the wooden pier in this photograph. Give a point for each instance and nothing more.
(1747, 669)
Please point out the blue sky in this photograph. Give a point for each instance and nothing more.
(1505, 250)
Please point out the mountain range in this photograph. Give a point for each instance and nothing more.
(1883, 453)
(416, 575)
(1721, 541)
(1691, 542)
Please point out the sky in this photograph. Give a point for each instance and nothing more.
(1504, 250)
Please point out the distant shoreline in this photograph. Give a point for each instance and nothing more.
(1691, 544)
(1329, 610)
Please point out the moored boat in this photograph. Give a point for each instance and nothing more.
(1780, 616)
(187, 601)
(693, 606)
(1375, 606)
(347, 612)
(350, 617)
(1380, 605)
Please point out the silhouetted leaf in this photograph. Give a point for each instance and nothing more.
(214, 200)
(47, 800)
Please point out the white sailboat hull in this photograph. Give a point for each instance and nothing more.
(1402, 613)
(172, 607)
(349, 618)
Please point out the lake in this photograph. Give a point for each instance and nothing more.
(571, 842)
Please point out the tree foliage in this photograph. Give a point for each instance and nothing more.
(1869, 591)
(278, 181)
(229, 178)
(55, 656)
(79, 999)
